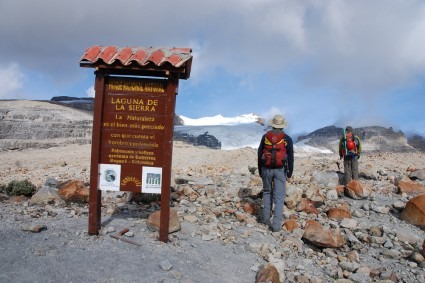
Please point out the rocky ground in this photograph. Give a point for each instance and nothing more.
(216, 199)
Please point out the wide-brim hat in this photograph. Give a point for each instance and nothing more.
(349, 129)
(278, 122)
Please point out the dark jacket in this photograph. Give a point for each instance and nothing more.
(289, 151)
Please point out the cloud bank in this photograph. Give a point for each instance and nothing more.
(333, 61)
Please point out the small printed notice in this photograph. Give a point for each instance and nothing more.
(109, 177)
(152, 180)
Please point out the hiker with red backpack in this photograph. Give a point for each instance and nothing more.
(275, 165)
(350, 148)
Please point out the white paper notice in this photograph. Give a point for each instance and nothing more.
(152, 180)
(109, 177)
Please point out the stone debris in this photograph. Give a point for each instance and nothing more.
(165, 265)
(368, 231)
(36, 228)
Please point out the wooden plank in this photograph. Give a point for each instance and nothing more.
(95, 194)
(167, 159)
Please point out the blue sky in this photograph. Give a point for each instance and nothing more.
(319, 63)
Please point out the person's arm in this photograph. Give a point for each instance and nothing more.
(290, 153)
(359, 145)
(260, 153)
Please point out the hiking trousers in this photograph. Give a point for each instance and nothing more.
(351, 168)
(274, 191)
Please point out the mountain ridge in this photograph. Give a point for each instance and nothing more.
(374, 138)
(28, 124)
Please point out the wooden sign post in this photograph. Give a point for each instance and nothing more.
(135, 98)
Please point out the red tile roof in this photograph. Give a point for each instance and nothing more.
(178, 58)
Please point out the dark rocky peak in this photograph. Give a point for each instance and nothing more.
(374, 139)
(81, 103)
(364, 133)
(71, 98)
(417, 142)
(204, 139)
(178, 121)
(373, 131)
(329, 131)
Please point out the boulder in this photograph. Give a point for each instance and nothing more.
(414, 211)
(267, 273)
(46, 195)
(292, 200)
(368, 172)
(340, 190)
(17, 199)
(407, 186)
(154, 220)
(325, 178)
(290, 225)
(317, 235)
(405, 235)
(307, 206)
(356, 190)
(418, 175)
(338, 213)
(74, 191)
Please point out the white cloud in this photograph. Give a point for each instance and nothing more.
(355, 50)
(268, 115)
(90, 91)
(11, 80)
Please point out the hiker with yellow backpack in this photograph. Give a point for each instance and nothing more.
(275, 165)
(350, 148)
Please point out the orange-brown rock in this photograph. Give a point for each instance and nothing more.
(315, 234)
(240, 216)
(291, 225)
(414, 211)
(338, 213)
(154, 220)
(342, 204)
(293, 216)
(356, 190)
(340, 190)
(17, 199)
(74, 191)
(405, 185)
(250, 207)
(307, 206)
(267, 273)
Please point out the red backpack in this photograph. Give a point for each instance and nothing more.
(349, 144)
(274, 152)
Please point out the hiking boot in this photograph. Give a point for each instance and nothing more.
(266, 222)
(274, 229)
